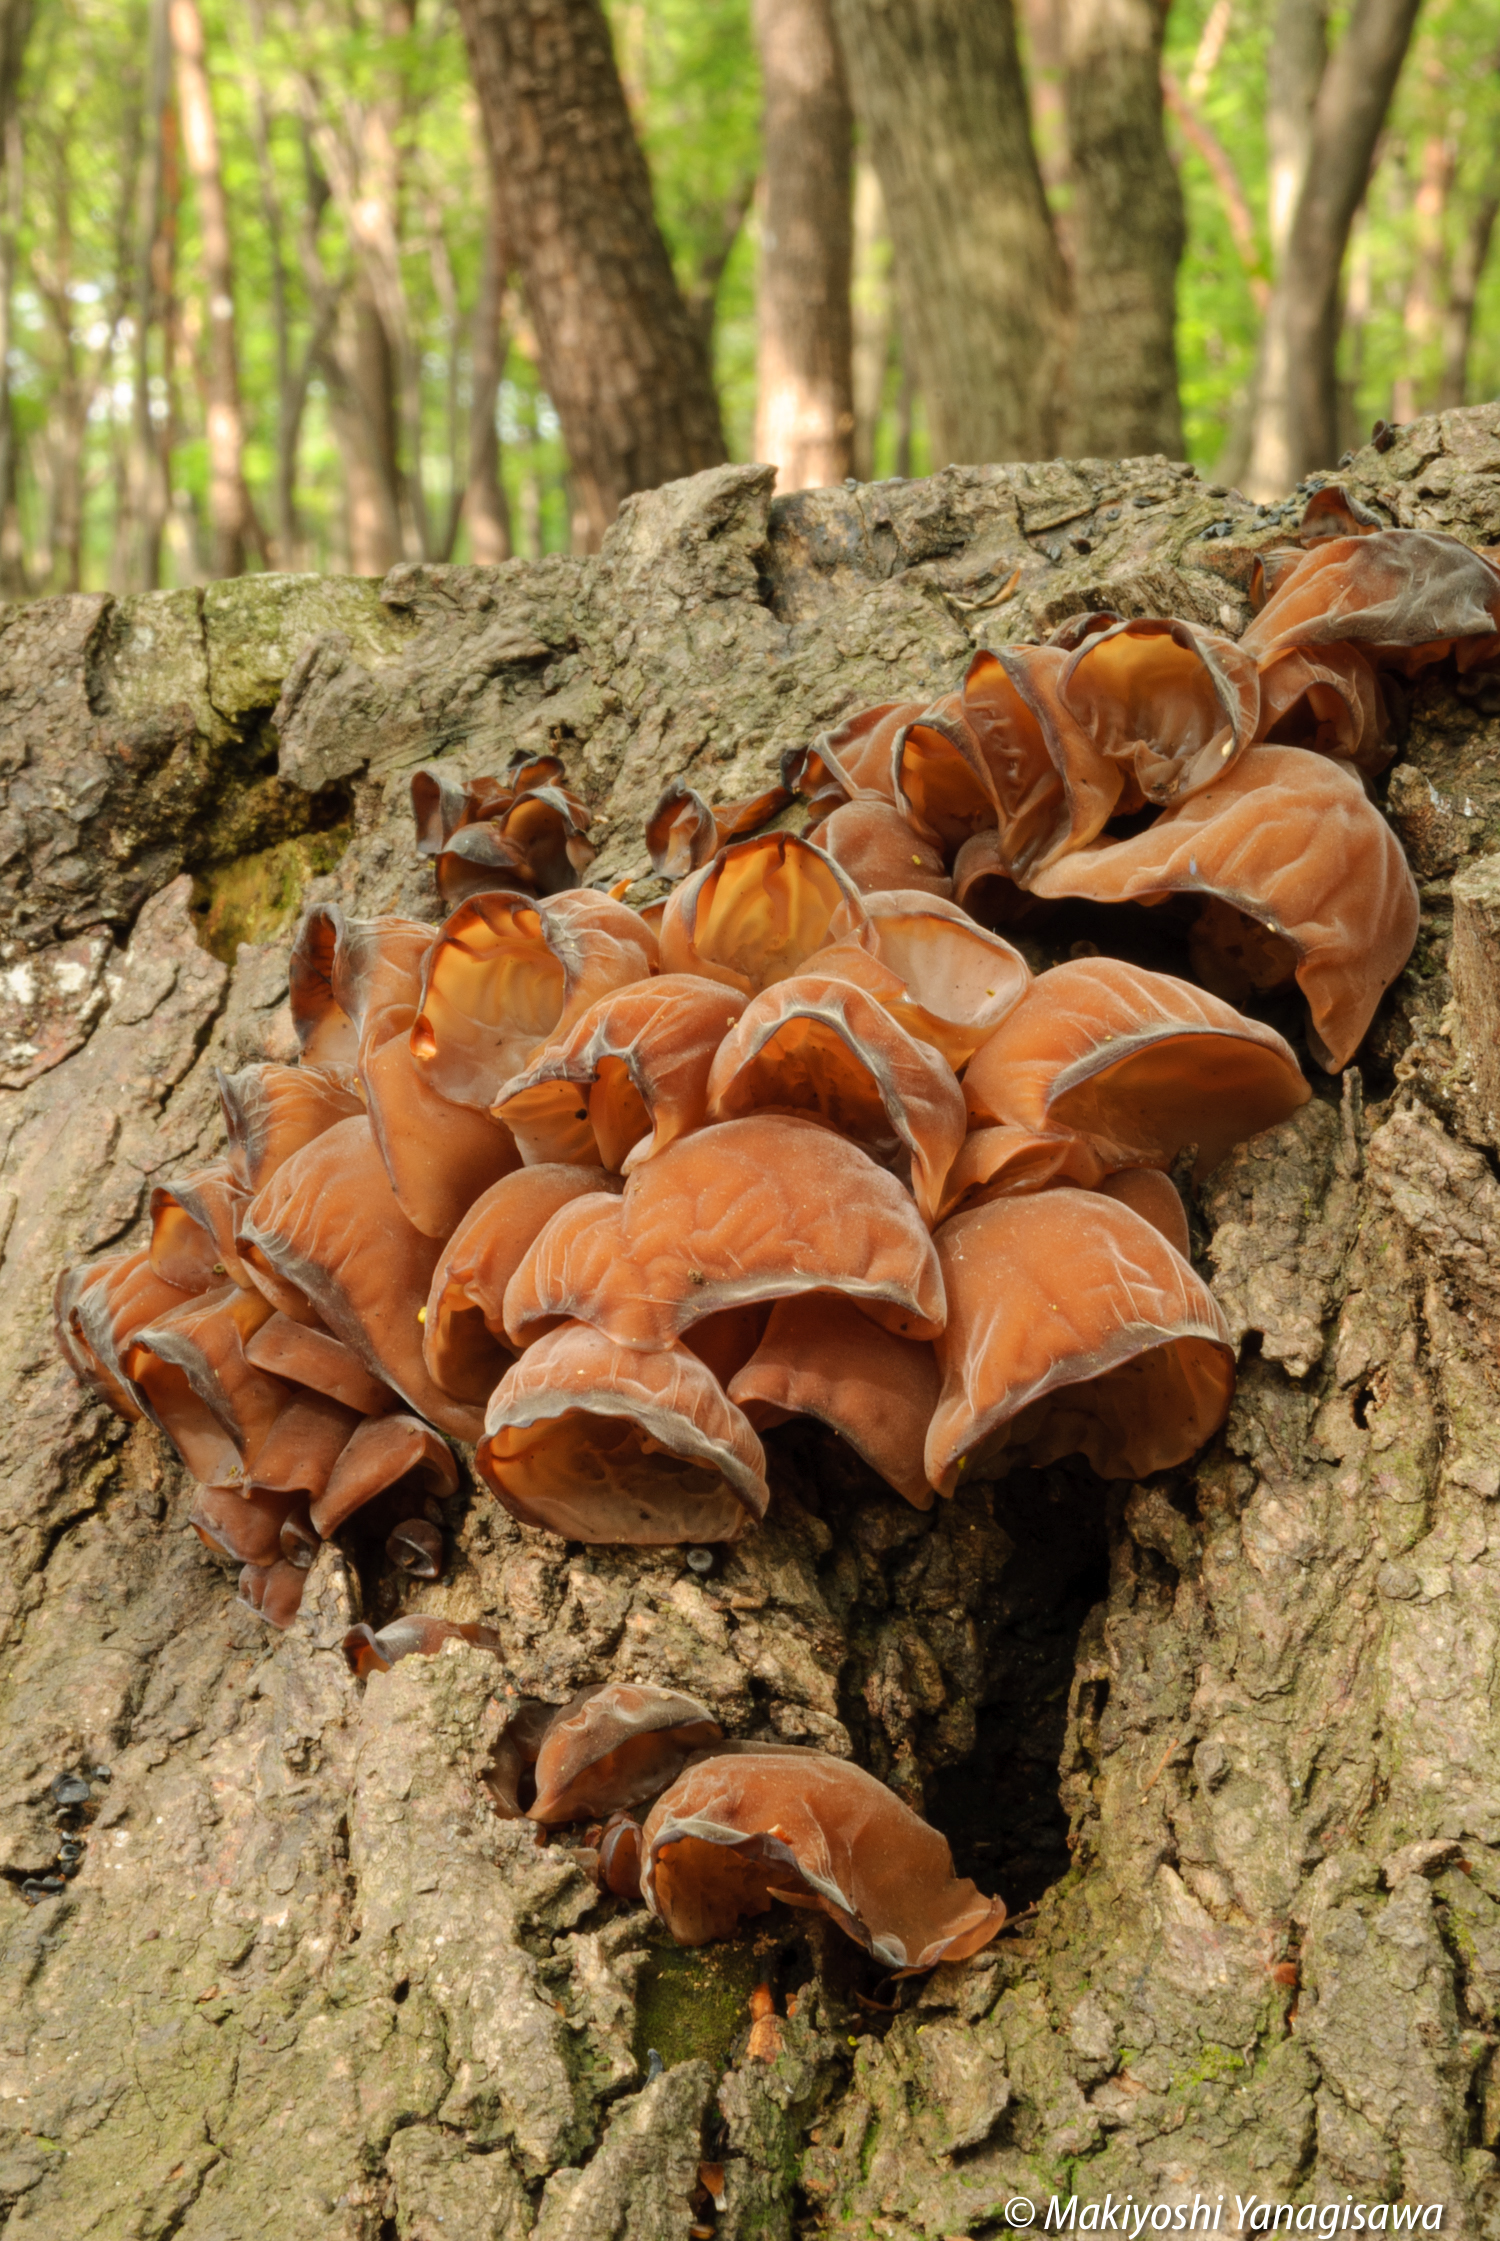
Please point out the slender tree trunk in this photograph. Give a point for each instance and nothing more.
(804, 414)
(1425, 290)
(486, 508)
(871, 312)
(1128, 231)
(622, 359)
(1295, 63)
(1469, 261)
(138, 541)
(1296, 422)
(939, 93)
(291, 394)
(15, 28)
(228, 507)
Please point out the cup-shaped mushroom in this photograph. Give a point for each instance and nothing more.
(740, 1829)
(508, 973)
(620, 1856)
(326, 1033)
(617, 1746)
(1331, 512)
(414, 1634)
(272, 1111)
(443, 804)
(439, 1155)
(463, 1338)
(1167, 704)
(509, 1775)
(384, 1453)
(757, 1209)
(328, 1227)
(823, 1048)
(609, 1444)
(479, 859)
(879, 849)
(190, 1368)
(1156, 1198)
(1006, 1161)
(194, 1219)
(1290, 839)
(854, 758)
(1398, 593)
(416, 1546)
(1073, 1328)
(942, 785)
(274, 1591)
(941, 977)
(758, 912)
(1051, 787)
(629, 1078)
(244, 1527)
(1329, 701)
(1140, 1063)
(984, 887)
(303, 1446)
(683, 833)
(125, 1290)
(820, 1357)
(318, 1360)
(549, 826)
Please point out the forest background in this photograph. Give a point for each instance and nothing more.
(330, 291)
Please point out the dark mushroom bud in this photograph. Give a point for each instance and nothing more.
(413, 1635)
(1073, 1327)
(820, 1357)
(941, 977)
(627, 1080)
(749, 1210)
(758, 912)
(617, 1746)
(822, 1047)
(327, 1229)
(384, 1453)
(609, 1444)
(1140, 1063)
(737, 1831)
(273, 1591)
(879, 849)
(508, 973)
(416, 1546)
(463, 1338)
(272, 1111)
(1290, 839)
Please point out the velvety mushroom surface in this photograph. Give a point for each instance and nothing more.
(608, 1185)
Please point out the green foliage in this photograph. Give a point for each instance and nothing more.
(320, 103)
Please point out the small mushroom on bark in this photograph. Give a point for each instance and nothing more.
(415, 1634)
(755, 1209)
(737, 1831)
(758, 912)
(820, 1357)
(683, 833)
(1073, 1327)
(614, 1747)
(385, 1452)
(605, 1444)
(273, 1591)
(629, 1079)
(1140, 1063)
(1290, 839)
(822, 1047)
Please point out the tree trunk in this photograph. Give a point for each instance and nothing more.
(15, 29)
(228, 500)
(1296, 420)
(486, 508)
(871, 317)
(1469, 261)
(137, 565)
(620, 355)
(938, 89)
(804, 374)
(1426, 288)
(1127, 229)
(1233, 1729)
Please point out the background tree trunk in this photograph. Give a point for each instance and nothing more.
(15, 30)
(228, 499)
(804, 376)
(1296, 417)
(486, 509)
(941, 101)
(1127, 229)
(622, 360)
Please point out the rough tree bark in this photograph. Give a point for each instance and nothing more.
(622, 359)
(1296, 409)
(228, 497)
(303, 1981)
(941, 100)
(1127, 231)
(804, 372)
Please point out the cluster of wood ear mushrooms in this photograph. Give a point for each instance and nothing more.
(609, 1191)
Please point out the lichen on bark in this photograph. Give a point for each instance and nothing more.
(1234, 1731)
